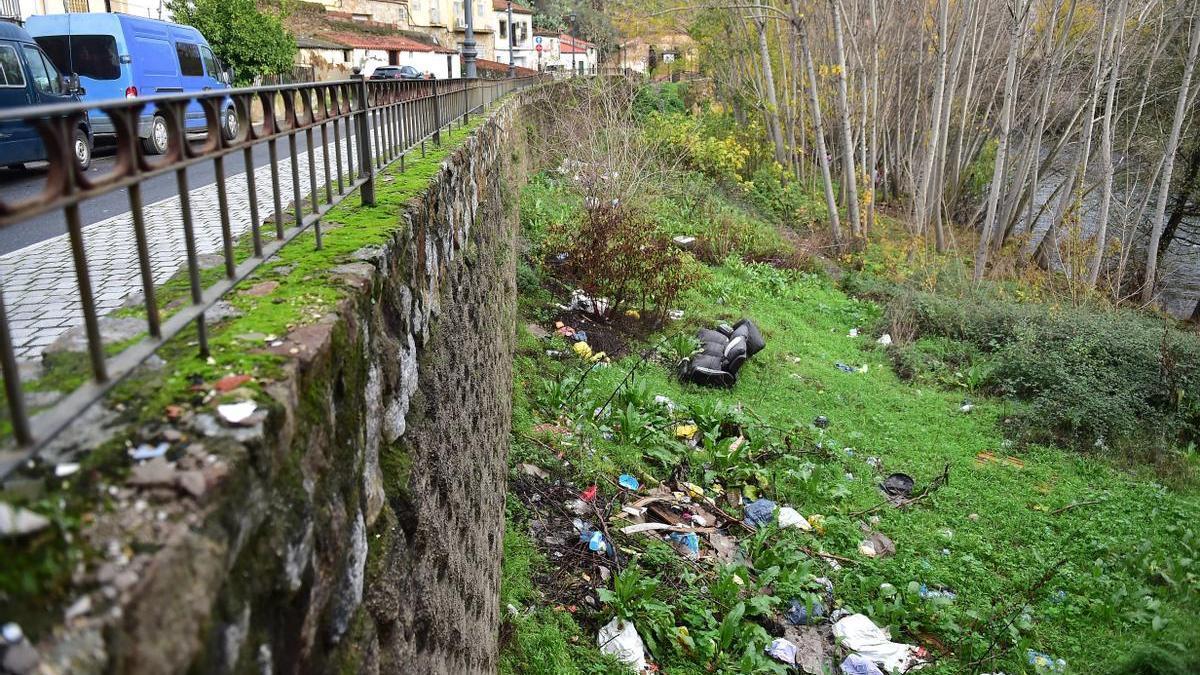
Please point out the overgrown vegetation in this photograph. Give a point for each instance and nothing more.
(1044, 547)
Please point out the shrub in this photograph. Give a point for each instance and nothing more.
(617, 253)
(666, 98)
(1092, 378)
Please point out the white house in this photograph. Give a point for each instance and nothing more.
(23, 9)
(520, 32)
(562, 52)
(368, 52)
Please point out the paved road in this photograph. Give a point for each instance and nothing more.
(36, 267)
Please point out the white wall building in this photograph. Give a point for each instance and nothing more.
(562, 52)
(368, 52)
(521, 33)
(23, 9)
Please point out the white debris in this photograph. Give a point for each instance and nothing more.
(621, 639)
(12, 633)
(853, 333)
(236, 413)
(860, 635)
(16, 521)
(789, 517)
(66, 469)
(885, 339)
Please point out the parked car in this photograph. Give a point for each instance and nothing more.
(28, 78)
(122, 56)
(397, 73)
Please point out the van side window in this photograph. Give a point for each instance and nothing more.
(189, 59)
(45, 77)
(93, 56)
(11, 72)
(210, 63)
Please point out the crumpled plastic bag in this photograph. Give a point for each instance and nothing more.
(782, 650)
(789, 517)
(860, 635)
(621, 639)
(859, 665)
(760, 512)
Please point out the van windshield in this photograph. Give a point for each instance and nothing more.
(93, 56)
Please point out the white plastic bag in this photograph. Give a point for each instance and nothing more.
(862, 636)
(789, 517)
(621, 639)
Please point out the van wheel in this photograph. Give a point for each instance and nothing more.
(229, 124)
(82, 146)
(156, 143)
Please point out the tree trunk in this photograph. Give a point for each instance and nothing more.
(1164, 192)
(989, 223)
(873, 159)
(819, 131)
(1106, 143)
(760, 23)
(921, 202)
(847, 137)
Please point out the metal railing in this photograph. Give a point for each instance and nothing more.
(365, 124)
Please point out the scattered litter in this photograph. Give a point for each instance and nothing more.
(782, 650)
(1044, 663)
(653, 527)
(588, 494)
(726, 547)
(582, 350)
(966, 406)
(12, 633)
(665, 402)
(16, 521)
(581, 302)
(853, 333)
(858, 665)
(818, 522)
(874, 462)
(675, 314)
(898, 485)
(66, 469)
(973, 517)
(578, 507)
(231, 382)
(694, 491)
(79, 608)
(760, 512)
(885, 339)
(723, 351)
(684, 242)
(621, 639)
(597, 543)
(628, 482)
(821, 422)
(843, 367)
(877, 546)
(936, 593)
(789, 517)
(146, 451)
(686, 431)
(859, 634)
(689, 541)
(798, 614)
(633, 314)
(236, 413)
(534, 470)
(580, 336)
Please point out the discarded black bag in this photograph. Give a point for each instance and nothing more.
(722, 353)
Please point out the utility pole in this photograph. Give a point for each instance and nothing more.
(468, 48)
(512, 69)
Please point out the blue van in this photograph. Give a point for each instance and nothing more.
(122, 56)
(28, 78)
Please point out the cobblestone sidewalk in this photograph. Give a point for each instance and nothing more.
(40, 291)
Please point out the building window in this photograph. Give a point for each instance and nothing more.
(435, 11)
(503, 29)
(77, 6)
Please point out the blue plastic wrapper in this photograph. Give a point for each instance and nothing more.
(760, 512)
(859, 665)
(628, 482)
(690, 540)
(596, 543)
(798, 614)
(1044, 663)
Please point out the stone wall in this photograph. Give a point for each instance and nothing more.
(357, 527)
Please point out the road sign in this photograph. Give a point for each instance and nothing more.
(538, 48)
(668, 57)
(538, 39)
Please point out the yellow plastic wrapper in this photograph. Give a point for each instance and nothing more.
(694, 491)
(633, 314)
(583, 350)
(818, 522)
(686, 430)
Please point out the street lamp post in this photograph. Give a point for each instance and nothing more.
(574, 46)
(512, 69)
(468, 48)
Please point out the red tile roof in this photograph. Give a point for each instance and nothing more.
(502, 6)
(570, 45)
(384, 42)
(497, 67)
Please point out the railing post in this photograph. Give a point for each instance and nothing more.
(437, 115)
(366, 162)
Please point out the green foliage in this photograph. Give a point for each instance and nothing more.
(251, 41)
(666, 99)
(1090, 378)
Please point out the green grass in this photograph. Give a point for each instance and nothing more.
(1119, 573)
